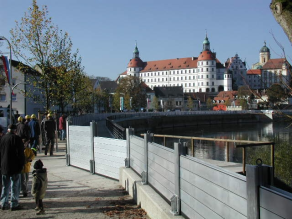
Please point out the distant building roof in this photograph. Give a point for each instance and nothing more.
(274, 64)
(254, 72)
(173, 64)
(109, 86)
(168, 92)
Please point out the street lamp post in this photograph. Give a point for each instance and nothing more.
(10, 77)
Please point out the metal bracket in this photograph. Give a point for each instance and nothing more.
(174, 205)
(144, 178)
(92, 166)
(68, 159)
(127, 162)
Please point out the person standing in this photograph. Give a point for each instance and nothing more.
(35, 133)
(27, 119)
(22, 129)
(62, 127)
(29, 156)
(39, 186)
(12, 162)
(50, 128)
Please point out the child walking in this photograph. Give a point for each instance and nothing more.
(29, 156)
(39, 185)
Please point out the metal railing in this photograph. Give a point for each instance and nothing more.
(244, 144)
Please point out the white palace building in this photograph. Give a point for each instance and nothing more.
(204, 73)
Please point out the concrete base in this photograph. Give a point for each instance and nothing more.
(155, 206)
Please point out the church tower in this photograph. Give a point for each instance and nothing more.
(206, 44)
(264, 54)
(136, 64)
(228, 80)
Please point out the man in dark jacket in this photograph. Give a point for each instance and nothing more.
(35, 133)
(12, 162)
(50, 128)
(22, 129)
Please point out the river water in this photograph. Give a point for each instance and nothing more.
(274, 132)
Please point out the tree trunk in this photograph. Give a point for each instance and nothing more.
(282, 12)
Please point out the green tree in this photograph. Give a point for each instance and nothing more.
(209, 103)
(155, 103)
(133, 87)
(276, 93)
(190, 103)
(244, 91)
(39, 44)
(243, 104)
(116, 101)
(127, 101)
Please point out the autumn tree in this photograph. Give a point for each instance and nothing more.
(244, 91)
(116, 101)
(209, 103)
(276, 94)
(132, 87)
(190, 103)
(155, 103)
(40, 45)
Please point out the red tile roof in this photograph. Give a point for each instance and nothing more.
(206, 55)
(254, 72)
(173, 64)
(136, 62)
(229, 94)
(170, 64)
(274, 64)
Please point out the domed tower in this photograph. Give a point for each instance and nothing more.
(264, 54)
(206, 44)
(227, 80)
(206, 68)
(136, 64)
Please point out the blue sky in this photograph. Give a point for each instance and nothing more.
(105, 31)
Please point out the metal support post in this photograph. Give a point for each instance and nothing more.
(145, 172)
(67, 142)
(92, 134)
(256, 176)
(129, 132)
(175, 199)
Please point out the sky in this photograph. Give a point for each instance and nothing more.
(105, 31)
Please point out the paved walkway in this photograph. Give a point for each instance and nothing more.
(75, 193)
